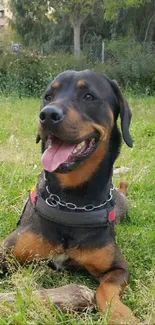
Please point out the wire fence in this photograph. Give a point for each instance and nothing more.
(92, 51)
(104, 51)
(129, 62)
(114, 51)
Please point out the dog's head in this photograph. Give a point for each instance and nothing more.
(78, 115)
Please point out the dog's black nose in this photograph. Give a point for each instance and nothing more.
(51, 114)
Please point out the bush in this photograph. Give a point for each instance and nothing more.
(28, 74)
(131, 64)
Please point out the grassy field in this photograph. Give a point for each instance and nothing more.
(19, 167)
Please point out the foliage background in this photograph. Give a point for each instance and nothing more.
(130, 63)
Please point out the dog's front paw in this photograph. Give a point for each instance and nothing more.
(122, 315)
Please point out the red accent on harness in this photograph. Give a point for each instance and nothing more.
(33, 196)
(112, 216)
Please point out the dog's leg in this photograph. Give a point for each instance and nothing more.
(108, 265)
(28, 246)
(108, 297)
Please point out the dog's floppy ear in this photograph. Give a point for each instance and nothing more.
(43, 144)
(38, 138)
(125, 114)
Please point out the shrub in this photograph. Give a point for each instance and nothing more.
(28, 74)
(131, 64)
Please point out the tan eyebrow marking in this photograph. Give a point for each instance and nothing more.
(56, 85)
(81, 83)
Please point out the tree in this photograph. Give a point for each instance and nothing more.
(41, 21)
(135, 22)
(32, 18)
(31, 21)
(112, 7)
(76, 11)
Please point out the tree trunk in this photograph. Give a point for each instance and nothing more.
(148, 27)
(77, 47)
(76, 25)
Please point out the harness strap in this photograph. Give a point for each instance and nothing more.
(98, 218)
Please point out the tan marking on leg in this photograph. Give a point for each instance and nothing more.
(108, 299)
(30, 246)
(112, 283)
(96, 261)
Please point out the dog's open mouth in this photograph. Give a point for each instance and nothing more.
(60, 155)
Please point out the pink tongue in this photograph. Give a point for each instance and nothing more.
(56, 154)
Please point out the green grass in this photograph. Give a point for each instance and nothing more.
(19, 167)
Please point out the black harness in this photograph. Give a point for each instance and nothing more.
(97, 218)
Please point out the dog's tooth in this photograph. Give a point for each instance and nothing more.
(83, 143)
(79, 147)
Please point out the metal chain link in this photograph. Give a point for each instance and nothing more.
(54, 200)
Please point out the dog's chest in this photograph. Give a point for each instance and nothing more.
(59, 260)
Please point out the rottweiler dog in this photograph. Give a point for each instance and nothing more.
(69, 216)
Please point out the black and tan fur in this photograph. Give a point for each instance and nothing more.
(94, 249)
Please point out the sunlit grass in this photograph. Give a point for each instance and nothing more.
(19, 167)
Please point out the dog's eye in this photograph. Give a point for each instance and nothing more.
(48, 98)
(89, 97)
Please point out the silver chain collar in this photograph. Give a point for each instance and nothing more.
(54, 201)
